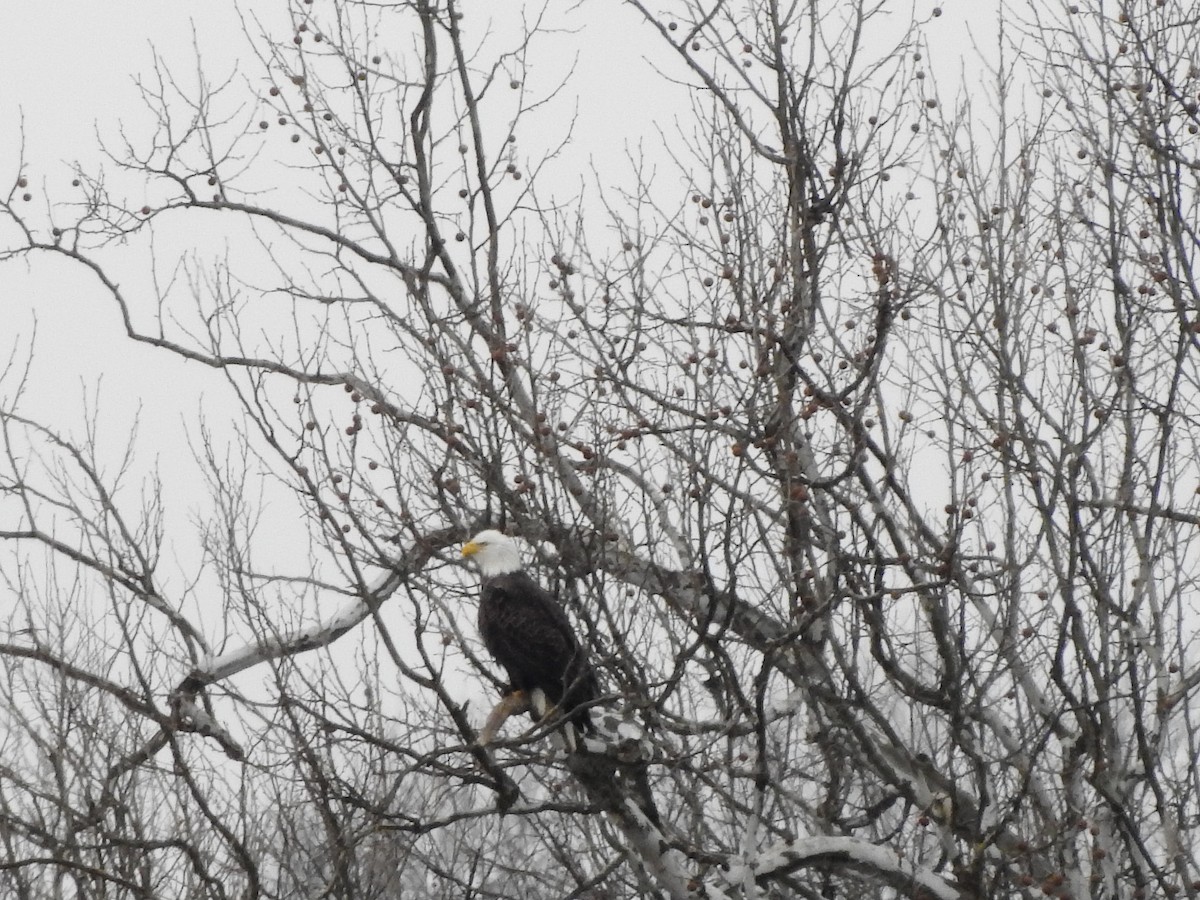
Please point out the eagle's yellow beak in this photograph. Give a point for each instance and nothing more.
(470, 549)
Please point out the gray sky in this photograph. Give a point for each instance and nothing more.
(68, 71)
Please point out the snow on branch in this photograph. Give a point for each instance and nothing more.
(850, 852)
(190, 714)
(301, 640)
(611, 766)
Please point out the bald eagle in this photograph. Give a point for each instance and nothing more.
(528, 633)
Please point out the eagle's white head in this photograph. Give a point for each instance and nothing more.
(494, 552)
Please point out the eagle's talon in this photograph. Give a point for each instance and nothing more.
(510, 704)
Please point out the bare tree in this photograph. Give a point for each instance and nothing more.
(861, 449)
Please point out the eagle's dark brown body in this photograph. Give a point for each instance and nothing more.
(528, 633)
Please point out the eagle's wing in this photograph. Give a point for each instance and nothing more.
(528, 633)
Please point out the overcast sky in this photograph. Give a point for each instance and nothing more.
(67, 81)
(69, 65)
